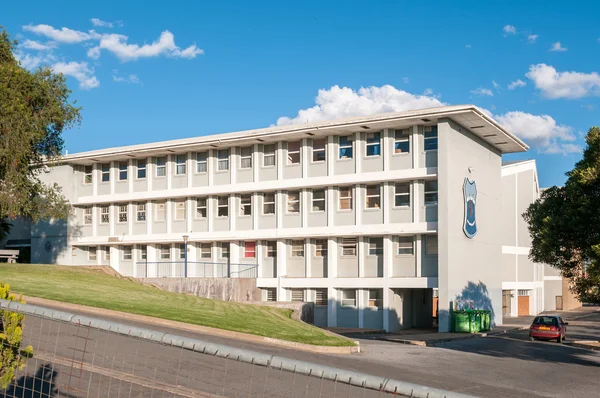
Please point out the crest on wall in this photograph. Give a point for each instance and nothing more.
(470, 196)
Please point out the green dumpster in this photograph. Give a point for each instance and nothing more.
(486, 320)
(462, 322)
(475, 321)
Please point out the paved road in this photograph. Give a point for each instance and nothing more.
(503, 366)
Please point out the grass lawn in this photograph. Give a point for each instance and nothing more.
(95, 288)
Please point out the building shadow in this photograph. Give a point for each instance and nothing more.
(42, 384)
(478, 293)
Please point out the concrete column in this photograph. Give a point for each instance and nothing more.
(308, 256)
(330, 151)
(256, 210)
(256, 163)
(112, 219)
(358, 152)
(332, 304)
(214, 255)
(233, 162)
(260, 255)
(149, 173)
(281, 267)
(361, 301)
(280, 208)
(95, 220)
(96, 175)
(361, 252)
(330, 206)
(189, 214)
(130, 218)
(332, 256)
(414, 146)
(134, 259)
(169, 214)
(386, 201)
(387, 144)
(233, 210)
(514, 303)
(305, 156)
(112, 176)
(149, 217)
(359, 198)
(115, 257)
(210, 212)
(418, 255)
(189, 168)
(130, 174)
(388, 256)
(305, 205)
(386, 308)
(169, 173)
(152, 256)
(234, 258)
(416, 200)
(211, 167)
(192, 255)
(280, 161)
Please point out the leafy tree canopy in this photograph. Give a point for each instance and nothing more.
(34, 110)
(565, 224)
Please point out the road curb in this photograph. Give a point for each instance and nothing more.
(583, 344)
(151, 321)
(433, 343)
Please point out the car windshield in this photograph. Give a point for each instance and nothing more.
(545, 320)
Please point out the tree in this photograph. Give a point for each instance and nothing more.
(34, 110)
(565, 224)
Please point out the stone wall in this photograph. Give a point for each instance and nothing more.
(227, 289)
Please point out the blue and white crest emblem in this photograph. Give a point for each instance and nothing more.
(470, 194)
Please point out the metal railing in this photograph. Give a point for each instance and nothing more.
(195, 269)
(81, 356)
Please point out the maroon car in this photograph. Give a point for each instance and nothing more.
(548, 327)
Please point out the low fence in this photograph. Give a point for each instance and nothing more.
(194, 269)
(81, 356)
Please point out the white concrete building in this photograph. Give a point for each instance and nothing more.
(362, 216)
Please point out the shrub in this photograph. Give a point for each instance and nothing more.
(11, 334)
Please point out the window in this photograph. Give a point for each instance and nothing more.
(345, 142)
(297, 294)
(293, 152)
(180, 210)
(165, 252)
(87, 174)
(106, 251)
(205, 250)
(92, 253)
(180, 160)
(402, 142)
(141, 168)
(123, 171)
(160, 211)
(373, 144)
(318, 200)
(271, 249)
(249, 249)
(346, 198)
(375, 246)
(269, 203)
(431, 138)
(293, 202)
(321, 248)
(405, 245)
(143, 252)
(269, 155)
(376, 298)
(123, 213)
(270, 294)
(87, 215)
(126, 252)
(431, 192)
(104, 215)
(246, 205)
(161, 166)
(348, 246)
(297, 248)
(223, 159)
(201, 208)
(141, 212)
(402, 195)
(246, 158)
(224, 249)
(105, 172)
(373, 197)
(431, 244)
(348, 298)
(522, 292)
(222, 206)
(320, 296)
(181, 250)
(318, 150)
(201, 162)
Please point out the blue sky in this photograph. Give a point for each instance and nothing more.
(228, 66)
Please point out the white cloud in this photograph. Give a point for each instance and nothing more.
(428, 91)
(516, 83)
(31, 62)
(80, 71)
(405, 80)
(117, 44)
(539, 131)
(467, 46)
(131, 79)
(35, 45)
(481, 92)
(496, 85)
(557, 47)
(509, 30)
(571, 85)
(101, 23)
(532, 38)
(64, 35)
(339, 102)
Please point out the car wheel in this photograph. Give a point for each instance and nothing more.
(559, 340)
(531, 338)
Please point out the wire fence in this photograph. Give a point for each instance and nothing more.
(194, 269)
(80, 356)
